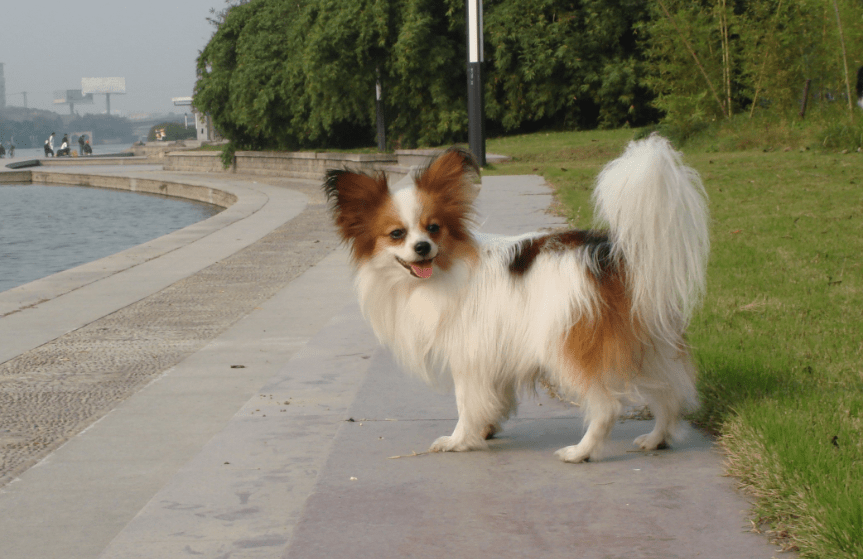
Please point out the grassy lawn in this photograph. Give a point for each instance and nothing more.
(780, 337)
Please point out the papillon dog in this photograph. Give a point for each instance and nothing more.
(599, 314)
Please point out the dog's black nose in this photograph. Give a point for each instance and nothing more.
(422, 248)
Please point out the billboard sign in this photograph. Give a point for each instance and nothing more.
(72, 96)
(103, 85)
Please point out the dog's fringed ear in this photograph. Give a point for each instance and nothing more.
(354, 198)
(451, 183)
(455, 172)
(456, 167)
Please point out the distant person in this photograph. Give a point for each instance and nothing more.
(64, 147)
(49, 146)
(2, 151)
(11, 150)
(87, 149)
(81, 144)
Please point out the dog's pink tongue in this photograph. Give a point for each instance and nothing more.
(424, 273)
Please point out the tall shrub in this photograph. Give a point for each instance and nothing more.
(288, 74)
(758, 53)
(574, 63)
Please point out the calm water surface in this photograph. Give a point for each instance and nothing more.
(48, 229)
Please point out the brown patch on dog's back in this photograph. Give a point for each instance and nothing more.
(525, 253)
(608, 347)
(605, 346)
(596, 243)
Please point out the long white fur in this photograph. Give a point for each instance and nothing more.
(492, 335)
(657, 214)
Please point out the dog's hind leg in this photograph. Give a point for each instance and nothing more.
(669, 387)
(601, 413)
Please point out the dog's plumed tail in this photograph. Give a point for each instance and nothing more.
(656, 211)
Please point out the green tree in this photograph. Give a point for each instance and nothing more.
(573, 64)
(228, 90)
(715, 58)
(344, 46)
(683, 42)
(287, 74)
(424, 73)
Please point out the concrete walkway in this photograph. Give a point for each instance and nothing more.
(274, 438)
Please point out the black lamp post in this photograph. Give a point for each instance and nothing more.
(475, 112)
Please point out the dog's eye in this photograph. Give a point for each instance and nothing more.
(397, 233)
(433, 228)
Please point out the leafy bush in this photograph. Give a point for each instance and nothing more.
(287, 75)
(715, 59)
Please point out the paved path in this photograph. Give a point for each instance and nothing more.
(270, 435)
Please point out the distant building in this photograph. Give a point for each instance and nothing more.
(204, 126)
(204, 131)
(2, 88)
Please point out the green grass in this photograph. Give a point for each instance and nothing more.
(779, 340)
(210, 147)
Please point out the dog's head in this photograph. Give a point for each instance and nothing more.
(420, 227)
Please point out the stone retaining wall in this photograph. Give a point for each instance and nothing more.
(15, 177)
(89, 161)
(194, 192)
(301, 165)
(158, 150)
(197, 162)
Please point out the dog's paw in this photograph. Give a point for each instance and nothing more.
(651, 441)
(490, 431)
(575, 454)
(451, 444)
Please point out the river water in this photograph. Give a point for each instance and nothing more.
(48, 229)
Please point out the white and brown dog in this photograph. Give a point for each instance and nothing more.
(601, 314)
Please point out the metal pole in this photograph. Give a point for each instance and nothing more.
(379, 110)
(475, 111)
(108, 103)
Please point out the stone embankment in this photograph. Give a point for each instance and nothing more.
(176, 186)
(301, 165)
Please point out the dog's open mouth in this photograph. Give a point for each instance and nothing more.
(422, 269)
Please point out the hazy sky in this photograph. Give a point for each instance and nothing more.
(49, 45)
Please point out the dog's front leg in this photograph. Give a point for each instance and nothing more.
(474, 418)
